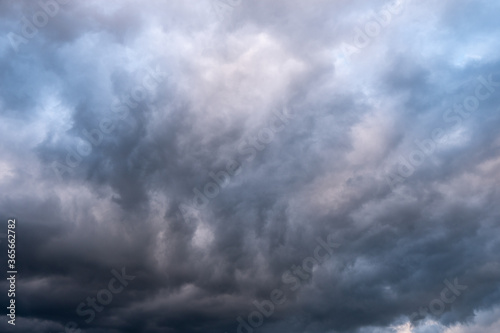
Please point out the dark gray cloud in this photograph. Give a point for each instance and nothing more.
(208, 150)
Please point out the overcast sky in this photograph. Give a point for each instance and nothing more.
(237, 166)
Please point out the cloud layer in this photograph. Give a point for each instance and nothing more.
(213, 150)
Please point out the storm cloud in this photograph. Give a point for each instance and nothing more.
(251, 166)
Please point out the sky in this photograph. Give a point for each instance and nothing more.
(236, 166)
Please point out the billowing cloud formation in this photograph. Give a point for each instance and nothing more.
(243, 166)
